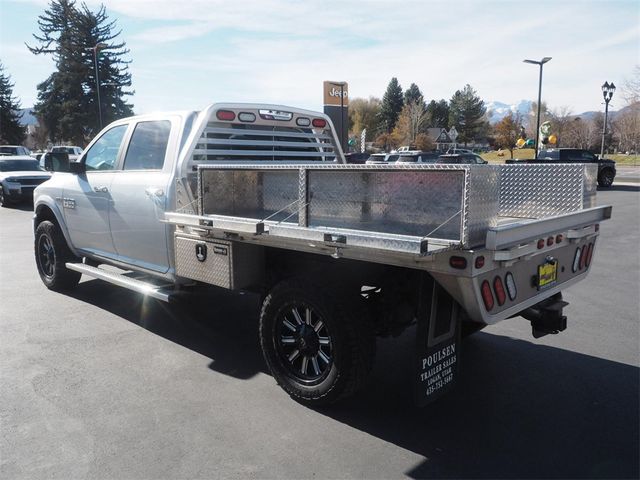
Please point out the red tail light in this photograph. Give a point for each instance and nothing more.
(480, 261)
(540, 243)
(319, 122)
(583, 256)
(559, 238)
(587, 260)
(227, 115)
(458, 262)
(487, 296)
(549, 241)
(501, 295)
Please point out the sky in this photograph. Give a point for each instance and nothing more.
(187, 54)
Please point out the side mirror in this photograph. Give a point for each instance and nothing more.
(56, 161)
(77, 167)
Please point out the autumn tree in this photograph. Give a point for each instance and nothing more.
(466, 113)
(363, 114)
(411, 122)
(392, 103)
(11, 130)
(507, 132)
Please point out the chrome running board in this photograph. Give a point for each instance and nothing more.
(122, 280)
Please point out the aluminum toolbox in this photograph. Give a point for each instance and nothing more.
(222, 263)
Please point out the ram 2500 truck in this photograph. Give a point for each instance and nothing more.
(259, 198)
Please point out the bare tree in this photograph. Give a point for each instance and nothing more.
(626, 128)
(561, 118)
(631, 87)
(411, 122)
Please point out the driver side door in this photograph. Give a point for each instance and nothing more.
(87, 198)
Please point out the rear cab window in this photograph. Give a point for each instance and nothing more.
(148, 146)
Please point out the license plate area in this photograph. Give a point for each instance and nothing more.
(547, 274)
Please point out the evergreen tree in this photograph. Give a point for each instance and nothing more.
(391, 107)
(438, 114)
(11, 130)
(67, 100)
(467, 114)
(413, 95)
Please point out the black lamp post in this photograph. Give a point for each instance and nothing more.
(607, 93)
(541, 63)
(95, 50)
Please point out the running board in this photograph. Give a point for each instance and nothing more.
(122, 281)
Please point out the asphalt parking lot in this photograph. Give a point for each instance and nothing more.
(103, 383)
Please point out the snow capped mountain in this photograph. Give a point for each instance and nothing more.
(496, 111)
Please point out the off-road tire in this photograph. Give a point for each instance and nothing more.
(4, 201)
(352, 341)
(605, 178)
(51, 254)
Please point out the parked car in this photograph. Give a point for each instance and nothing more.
(357, 158)
(422, 157)
(73, 151)
(14, 150)
(606, 168)
(378, 158)
(466, 158)
(19, 175)
(458, 150)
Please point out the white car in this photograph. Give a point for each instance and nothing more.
(73, 151)
(19, 176)
(14, 150)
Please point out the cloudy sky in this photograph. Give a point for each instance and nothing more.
(188, 53)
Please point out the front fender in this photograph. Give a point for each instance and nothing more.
(44, 208)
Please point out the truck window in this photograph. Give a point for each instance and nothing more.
(148, 146)
(103, 154)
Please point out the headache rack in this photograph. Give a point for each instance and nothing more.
(399, 214)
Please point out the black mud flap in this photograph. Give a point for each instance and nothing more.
(438, 342)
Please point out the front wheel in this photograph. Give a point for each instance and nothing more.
(316, 343)
(52, 252)
(4, 201)
(605, 179)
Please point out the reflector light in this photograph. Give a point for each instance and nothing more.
(540, 243)
(511, 286)
(550, 241)
(576, 260)
(587, 260)
(583, 256)
(597, 227)
(319, 122)
(487, 296)
(458, 262)
(246, 117)
(559, 238)
(303, 122)
(227, 115)
(501, 295)
(480, 262)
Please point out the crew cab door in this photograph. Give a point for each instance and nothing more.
(86, 197)
(139, 196)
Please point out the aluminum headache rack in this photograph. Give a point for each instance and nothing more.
(408, 210)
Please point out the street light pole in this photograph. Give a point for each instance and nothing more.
(607, 93)
(95, 50)
(540, 63)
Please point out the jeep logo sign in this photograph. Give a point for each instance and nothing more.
(336, 93)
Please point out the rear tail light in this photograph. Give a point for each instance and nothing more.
(487, 296)
(540, 243)
(576, 260)
(227, 115)
(511, 286)
(587, 261)
(246, 117)
(319, 122)
(501, 295)
(583, 256)
(303, 122)
(480, 262)
(559, 238)
(549, 241)
(458, 262)
(597, 227)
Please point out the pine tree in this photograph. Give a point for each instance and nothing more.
(391, 107)
(413, 95)
(466, 114)
(11, 131)
(438, 114)
(67, 100)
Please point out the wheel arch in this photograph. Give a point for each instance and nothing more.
(46, 209)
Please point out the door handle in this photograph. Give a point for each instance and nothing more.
(154, 191)
(100, 189)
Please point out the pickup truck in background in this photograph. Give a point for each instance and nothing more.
(259, 198)
(606, 168)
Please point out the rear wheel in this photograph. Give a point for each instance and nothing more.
(52, 252)
(605, 178)
(315, 341)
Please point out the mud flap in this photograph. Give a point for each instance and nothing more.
(437, 343)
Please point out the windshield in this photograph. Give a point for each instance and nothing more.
(9, 150)
(20, 166)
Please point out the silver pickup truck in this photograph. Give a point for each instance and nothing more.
(259, 198)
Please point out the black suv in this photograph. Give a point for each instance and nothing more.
(606, 168)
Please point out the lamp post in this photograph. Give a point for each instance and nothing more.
(540, 63)
(95, 50)
(607, 93)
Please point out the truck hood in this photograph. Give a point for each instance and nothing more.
(24, 174)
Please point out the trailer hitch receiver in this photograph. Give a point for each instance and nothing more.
(546, 317)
